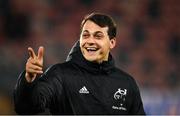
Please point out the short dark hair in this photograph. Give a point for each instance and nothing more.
(102, 20)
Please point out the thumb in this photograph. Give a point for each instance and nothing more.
(31, 52)
(40, 53)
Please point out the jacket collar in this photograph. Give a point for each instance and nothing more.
(76, 57)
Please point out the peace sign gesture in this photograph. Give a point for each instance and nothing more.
(34, 64)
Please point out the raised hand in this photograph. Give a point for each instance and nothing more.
(34, 64)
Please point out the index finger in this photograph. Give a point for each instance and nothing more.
(31, 52)
(40, 52)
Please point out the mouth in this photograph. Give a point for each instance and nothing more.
(91, 49)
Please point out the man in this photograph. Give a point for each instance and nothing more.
(87, 83)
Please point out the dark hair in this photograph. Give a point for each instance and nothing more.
(102, 20)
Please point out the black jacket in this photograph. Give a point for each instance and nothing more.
(79, 87)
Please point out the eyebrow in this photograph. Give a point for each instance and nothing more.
(97, 32)
(86, 31)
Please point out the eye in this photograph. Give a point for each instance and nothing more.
(98, 36)
(85, 35)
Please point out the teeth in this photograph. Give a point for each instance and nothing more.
(93, 49)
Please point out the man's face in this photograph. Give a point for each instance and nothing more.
(95, 43)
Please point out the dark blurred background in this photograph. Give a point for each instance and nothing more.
(148, 43)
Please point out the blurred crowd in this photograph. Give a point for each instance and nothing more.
(148, 43)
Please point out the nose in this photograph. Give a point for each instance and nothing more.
(90, 40)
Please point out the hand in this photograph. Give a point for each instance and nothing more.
(34, 64)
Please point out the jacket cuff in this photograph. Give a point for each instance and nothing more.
(22, 82)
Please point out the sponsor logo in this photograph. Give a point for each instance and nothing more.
(84, 90)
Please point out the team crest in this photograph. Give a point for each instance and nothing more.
(120, 94)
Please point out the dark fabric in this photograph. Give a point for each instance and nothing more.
(78, 86)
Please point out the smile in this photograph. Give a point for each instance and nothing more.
(91, 49)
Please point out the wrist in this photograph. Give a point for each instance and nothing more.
(30, 77)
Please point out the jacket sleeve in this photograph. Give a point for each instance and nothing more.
(35, 97)
(137, 105)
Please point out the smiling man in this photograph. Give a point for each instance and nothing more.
(95, 43)
(87, 83)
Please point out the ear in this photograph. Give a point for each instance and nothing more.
(112, 43)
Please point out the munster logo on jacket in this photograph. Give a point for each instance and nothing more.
(120, 96)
